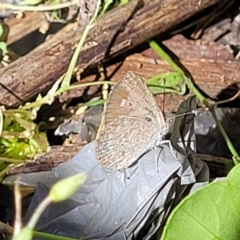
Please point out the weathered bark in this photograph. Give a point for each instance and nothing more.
(117, 31)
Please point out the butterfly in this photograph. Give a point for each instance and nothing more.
(133, 123)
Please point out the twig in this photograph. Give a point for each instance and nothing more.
(43, 8)
(18, 210)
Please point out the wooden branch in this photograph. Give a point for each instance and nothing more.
(119, 30)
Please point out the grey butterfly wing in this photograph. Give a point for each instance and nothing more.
(132, 123)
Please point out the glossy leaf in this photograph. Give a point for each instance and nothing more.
(210, 213)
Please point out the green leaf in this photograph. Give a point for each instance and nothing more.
(210, 213)
(173, 82)
(1, 30)
(3, 47)
(18, 150)
(92, 103)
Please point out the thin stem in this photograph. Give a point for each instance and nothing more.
(36, 8)
(19, 111)
(11, 160)
(51, 236)
(38, 212)
(77, 86)
(231, 148)
(18, 210)
(67, 78)
(44, 100)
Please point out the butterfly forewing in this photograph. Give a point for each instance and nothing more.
(133, 123)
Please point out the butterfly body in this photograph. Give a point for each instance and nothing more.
(133, 123)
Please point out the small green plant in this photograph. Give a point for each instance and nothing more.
(20, 138)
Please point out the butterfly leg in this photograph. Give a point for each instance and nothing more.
(160, 145)
(157, 156)
(170, 147)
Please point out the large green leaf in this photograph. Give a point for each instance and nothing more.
(212, 212)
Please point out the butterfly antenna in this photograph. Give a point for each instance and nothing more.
(194, 111)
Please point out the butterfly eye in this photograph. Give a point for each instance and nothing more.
(148, 119)
(170, 121)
